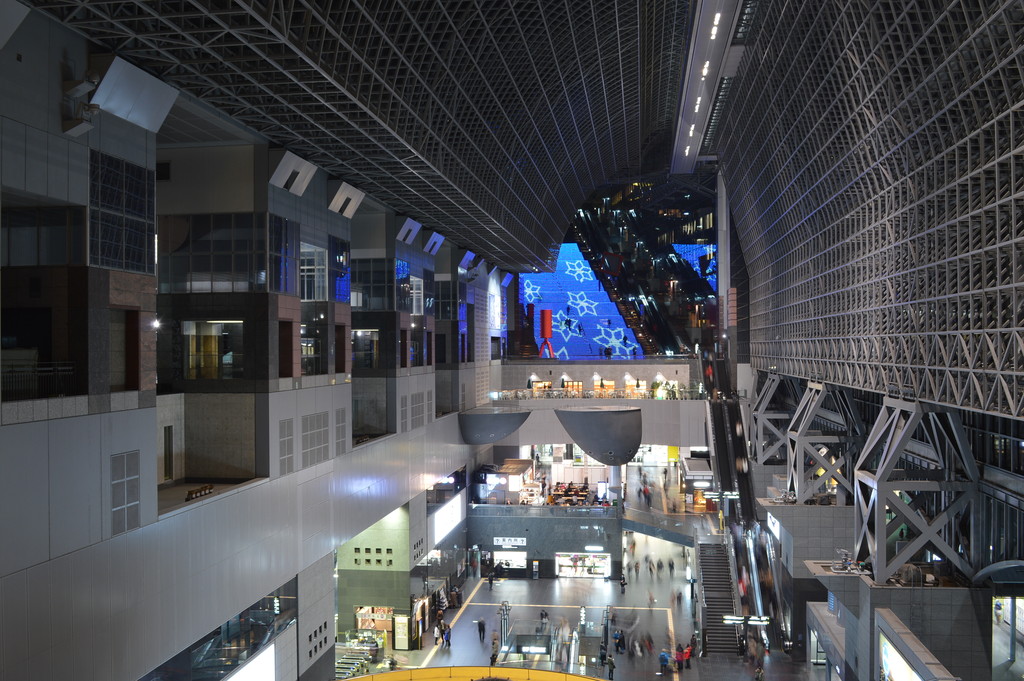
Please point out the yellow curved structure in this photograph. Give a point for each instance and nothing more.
(472, 674)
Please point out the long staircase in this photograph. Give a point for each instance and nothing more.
(717, 585)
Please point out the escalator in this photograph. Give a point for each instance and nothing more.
(755, 561)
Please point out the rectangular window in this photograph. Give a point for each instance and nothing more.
(340, 342)
(213, 349)
(416, 411)
(168, 452)
(315, 447)
(340, 432)
(365, 349)
(124, 492)
(340, 279)
(285, 350)
(122, 227)
(313, 273)
(286, 443)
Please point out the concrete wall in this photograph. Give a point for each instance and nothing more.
(197, 566)
(316, 615)
(955, 624)
(811, 533)
(210, 180)
(561, 530)
(665, 422)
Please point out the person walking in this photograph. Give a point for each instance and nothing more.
(611, 668)
(603, 653)
(490, 580)
(448, 636)
(481, 627)
(495, 647)
(437, 634)
(622, 584)
(679, 658)
(663, 660)
(687, 654)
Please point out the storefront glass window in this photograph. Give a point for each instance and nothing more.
(213, 349)
(590, 565)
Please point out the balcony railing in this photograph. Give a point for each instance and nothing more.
(547, 511)
(619, 393)
(40, 381)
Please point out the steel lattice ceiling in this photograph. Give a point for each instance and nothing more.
(487, 120)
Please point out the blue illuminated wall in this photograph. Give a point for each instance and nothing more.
(584, 320)
(703, 258)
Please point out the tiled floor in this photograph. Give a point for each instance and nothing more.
(635, 613)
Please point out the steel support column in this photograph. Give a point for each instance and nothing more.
(824, 437)
(916, 482)
(769, 424)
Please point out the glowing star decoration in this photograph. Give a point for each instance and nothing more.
(564, 326)
(611, 338)
(531, 291)
(582, 303)
(579, 270)
(587, 314)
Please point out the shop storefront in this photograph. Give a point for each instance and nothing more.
(589, 565)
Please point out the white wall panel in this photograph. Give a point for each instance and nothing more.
(75, 483)
(57, 167)
(78, 174)
(14, 614)
(12, 145)
(24, 498)
(35, 161)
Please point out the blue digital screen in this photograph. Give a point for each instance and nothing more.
(584, 320)
(703, 258)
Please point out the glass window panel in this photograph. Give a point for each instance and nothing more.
(243, 232)
(135, 247)
(111, 196)
(76, 238)
(21, 245)
(53, 244)
(199, 234)
(111, 245)
(135, 191)
(221, 233)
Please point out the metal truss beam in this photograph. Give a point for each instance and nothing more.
(489, 122)
(877, 197)
(770, 439)
(825, 433)
(913, 494)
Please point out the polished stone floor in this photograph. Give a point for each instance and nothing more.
(647, 607)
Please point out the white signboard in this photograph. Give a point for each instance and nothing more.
(510, 541)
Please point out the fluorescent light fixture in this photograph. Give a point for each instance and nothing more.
(593, 548)
(701, 484)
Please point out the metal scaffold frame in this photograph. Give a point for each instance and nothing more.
(925, 487)
(824, 435)
(489, 121)
(770, 438)
(876, 192)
